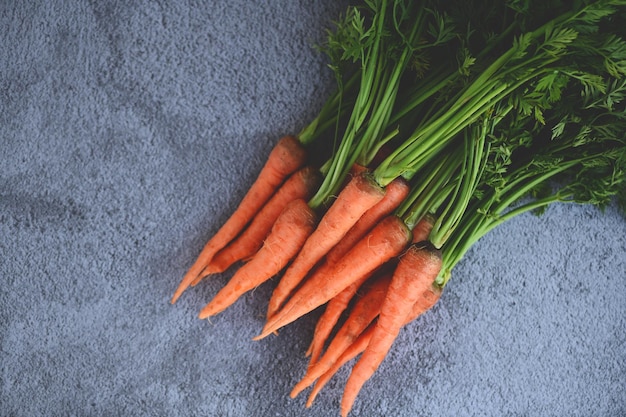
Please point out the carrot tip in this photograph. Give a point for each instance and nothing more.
(176, 296)
(205, 314)
(297, 389)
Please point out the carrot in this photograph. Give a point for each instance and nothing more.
(396, 192)
(300, 185)
(363, 313)
(351, 352)
(338, 304)
(416, 272)
(288, 233)
(287, 156)
(387, 240)
(425, 302)
(357, 169)
(334, 308)
(427, 299)
(422, 229)
(359, 195)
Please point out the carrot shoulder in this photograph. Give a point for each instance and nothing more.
(386, 241)
(359, 195)
(288, 234)
(395, 193)
(287, 156)
(416, 271)
(300, 185)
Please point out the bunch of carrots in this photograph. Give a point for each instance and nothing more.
(449, 119)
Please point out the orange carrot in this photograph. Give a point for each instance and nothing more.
(424, 303)
(422, 229)
(301, 185)
(386, 241)
(338, 304)
(416, 272)
(287, 156)
(356, 169)
(395, 193)
(351, 352)
(333, 310)
(363, 313)
(288, 234)
(358, 196)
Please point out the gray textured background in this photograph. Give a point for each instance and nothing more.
(130, 130)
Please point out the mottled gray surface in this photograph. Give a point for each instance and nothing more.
(130, 130)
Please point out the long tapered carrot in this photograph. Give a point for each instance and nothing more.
(351, 352)
(338, 304)
(362, 314)
(395, 193)
(287, 156)
(288, 234)
(300, 185)
(327, 321)
(386, 241)
(359, 195)
(329, 318)
(416, 271)
(424, 303)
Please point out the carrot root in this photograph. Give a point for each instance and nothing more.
(359, 195)
(395, 193)
(351, 352)
(300, 185)
(287, 156)
(363, 313)
(387, 240)
(416, 271)
(289, 232)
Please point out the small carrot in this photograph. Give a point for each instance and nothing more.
(422, 229)
(416, 272)
(337, 304)
(300, 185)
(395, 193)
(288, 233)
(359, 195)
(425, 302)
(386, 241)
(287, 156)
(333, 310)
(351, 352)
(362, 314)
